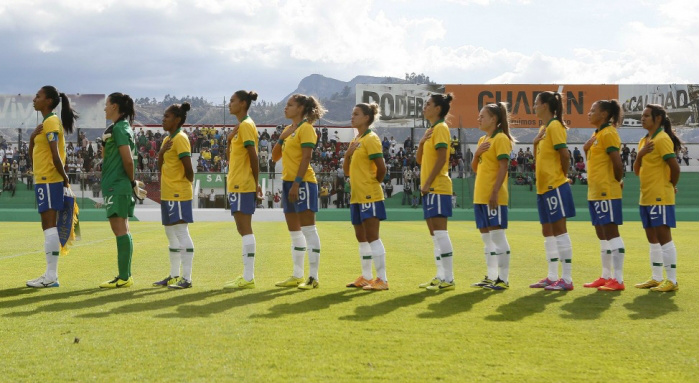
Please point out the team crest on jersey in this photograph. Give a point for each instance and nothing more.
(293, 134)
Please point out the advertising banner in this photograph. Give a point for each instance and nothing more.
(681, 101)
(401, 104)
(577, 100)
(17, 111)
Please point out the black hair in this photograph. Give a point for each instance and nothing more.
(312, 109)
(68, 115)
(613, 110)
(500, 112)
(180, 110)
(554, 101)
(443, 101)
(658, 111)
(246, 97)
(370, 110)
(126, 107)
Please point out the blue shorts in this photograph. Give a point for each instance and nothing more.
(361, 211)
(657, 215)
(436, 205)
(49, 196)
(556, 204)
(243, 202)
(606, 211)
(308, 197)
(487, 217)
(172, 212)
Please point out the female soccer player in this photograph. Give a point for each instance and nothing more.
(659, 172)
(554, 197)
(604, 177)
(243, 171)
(300, 188)
(436, 188)
(490, 197)
(118, 184)
(175, 165)
(365, 167)
(47, 150)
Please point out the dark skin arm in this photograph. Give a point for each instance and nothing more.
(57, 163)
(674, 171)
(380, 168)
(254, 161)
(615, 157)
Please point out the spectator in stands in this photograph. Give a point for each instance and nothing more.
(270, 199)
(202, 198)
(324, 196)
(212, 198)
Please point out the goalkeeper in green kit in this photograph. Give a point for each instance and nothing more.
(118, 185)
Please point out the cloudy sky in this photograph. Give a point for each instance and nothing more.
(211, 48)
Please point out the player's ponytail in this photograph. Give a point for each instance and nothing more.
(246, 97)
(443, 101)
(126, 106)
(312, 108)
(68, 115)
(658, 111)
(613, 110)
(502, 118)
(554, 102)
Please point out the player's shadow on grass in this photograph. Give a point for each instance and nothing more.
(652, 305)
(456, 304)
(243, 298)
(179, 297)
(365, 313)
(17, 291)
(44, 295)
(525, 306)
(320, 302)
(107, 297)
(590, 306)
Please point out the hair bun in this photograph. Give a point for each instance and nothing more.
(448, 97)
(185, 107)
(252, 95)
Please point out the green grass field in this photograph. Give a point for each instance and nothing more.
(79, 333)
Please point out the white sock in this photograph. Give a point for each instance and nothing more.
(605, 255)
(174, 251)
(298, 251)
(656, 261)
(502, 248)
(313, 247)
(551, 257)
(249, 245)
(187, 248)
(618, 252)
(52, 249)
(438, 259)
(670, 261)
(445, 250)
(365, 257)
(565, 250)
(491, 259)
(379, 254)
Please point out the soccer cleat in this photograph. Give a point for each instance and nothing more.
(434, 282)
(166, 282)
(376, 284)
(43, 282)
(292, 281)
(612, 285)
(560, 285)
(648, 284)
(542, 283)
(240, 283)
(666, 286)
(485, 282)
(181, 284)
(599, 282)
(359, 282)
(442, 286)
(117, 283)
(498, 285)
(311, 283)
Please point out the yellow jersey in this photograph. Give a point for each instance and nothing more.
(601, 184)
(439, 139)
(44, 170)
(292, 152)
(549, 174)
(174, 186)
(363, 184)
(656, 188)
(240, 177)
(488, 167)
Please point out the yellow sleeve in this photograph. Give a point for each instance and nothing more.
(665, 148)
(247, 134)
(558, 135)
(440, 137)
(51, 125)
(307, 136)
(180, 145)
(374, 148)
(502, 147)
